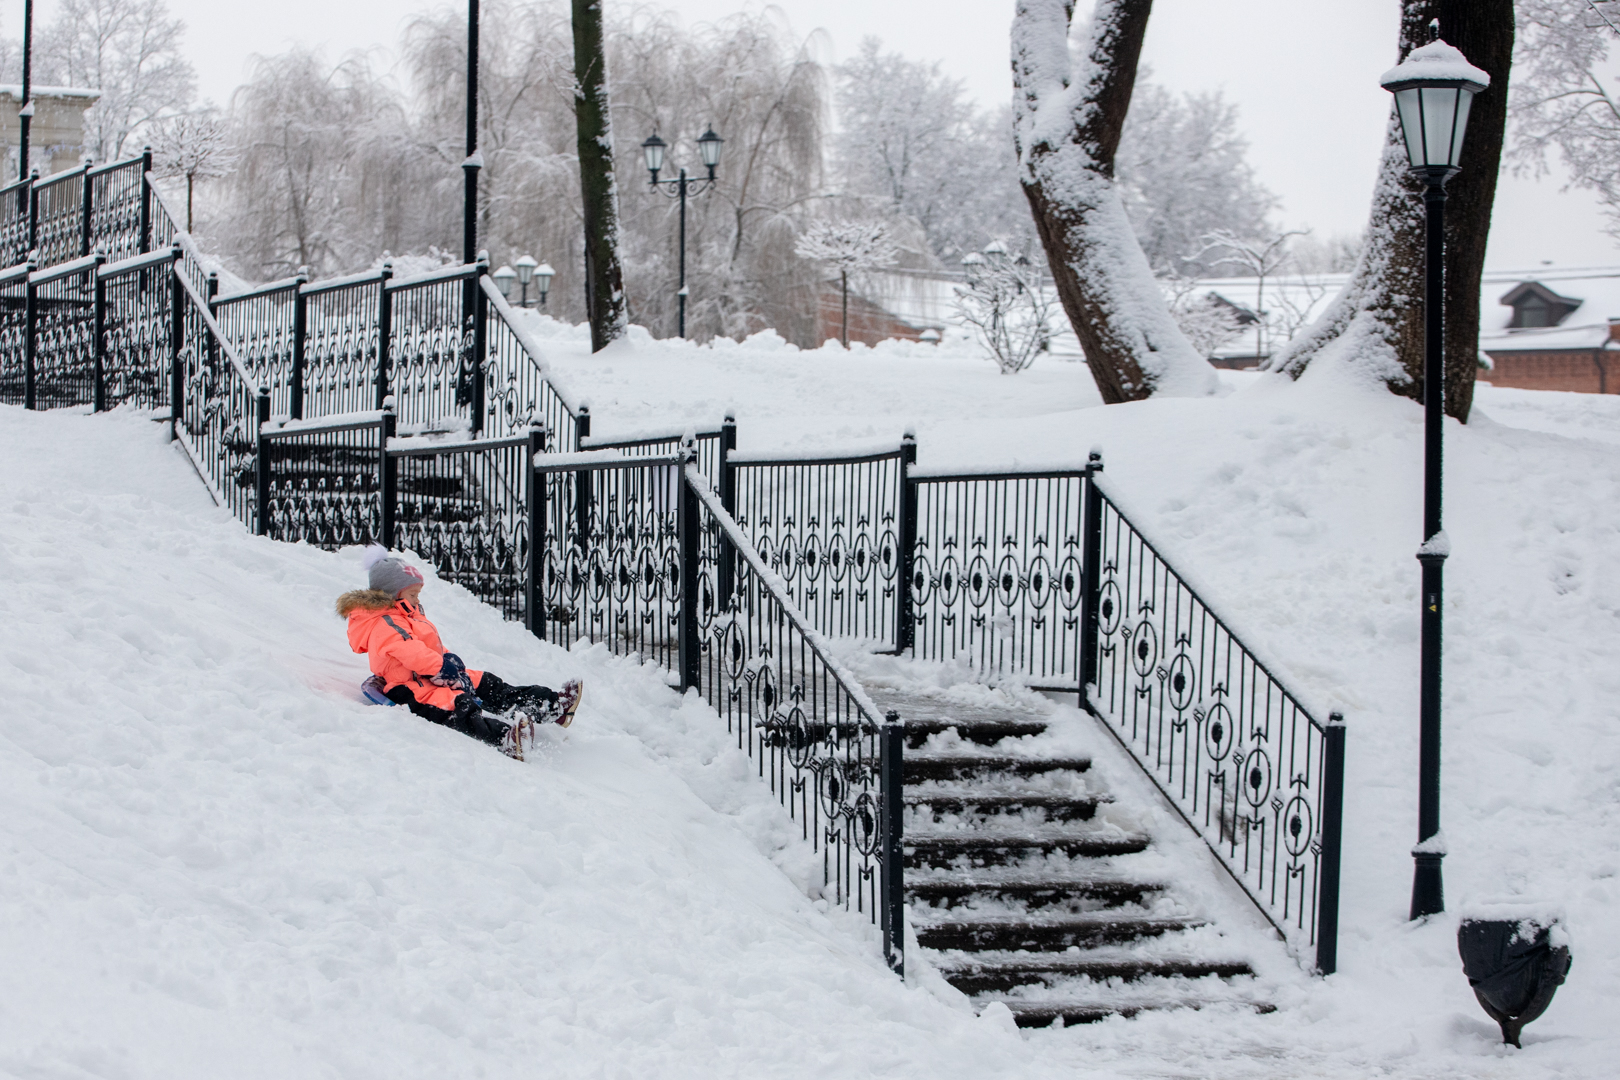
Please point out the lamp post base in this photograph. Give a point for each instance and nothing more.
(1428, 891)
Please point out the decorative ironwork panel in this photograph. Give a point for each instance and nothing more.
(261, 328)
(325, 485)
(465, 510)
(219, 418)
(13, 339)
(340, 349)
(997, 575)
(830, 530)
(516, 390)
(14, 212)
(1238, 754)
(64, 341)
(812, 735)
(136, 335)
(612, 571)
(60, 229)
(116, 194)
(430, 350)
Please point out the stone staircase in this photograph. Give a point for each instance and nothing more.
(1028, 885)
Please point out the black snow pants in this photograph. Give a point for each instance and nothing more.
(468, 716)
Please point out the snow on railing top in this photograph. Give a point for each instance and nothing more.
(530, 345)
(225, 344)
(443, 273)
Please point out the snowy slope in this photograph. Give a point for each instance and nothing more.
(216, 861)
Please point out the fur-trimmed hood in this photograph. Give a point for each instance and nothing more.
(364, 600)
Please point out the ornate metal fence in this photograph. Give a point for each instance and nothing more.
(14, 373)
(120, 213)
(16, 206)
(830, 527)
(220, 408)
(1251, 770)
(340, 346)
(137, 323)
(465, 506)
(997, 573)
(517, 392)
(61, 218)
(435, 345)
(61, 351)
(263, 324)
(322, 481)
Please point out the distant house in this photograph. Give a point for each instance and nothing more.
(56, 134)
(1561, 332)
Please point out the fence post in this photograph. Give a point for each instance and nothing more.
(300, 331)
(1091, 567)
(146, 201)
(1327, 875)
(905, 620)
(387, 476)
(261, 463)
(30, 333)
(177, 344)
(33, 209)
(385, 330)
(209, 294)
(726, 572)
(582, 482)
(688, 533)
(892, 880)
(480, 345)
(534, 600)
(84, 212)
(98, 327)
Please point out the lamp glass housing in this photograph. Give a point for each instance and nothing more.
(654, 149)
(1434, 117)
(505, 279)
(709, 147)
(525, 268)
(542, 276)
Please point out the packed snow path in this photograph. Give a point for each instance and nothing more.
(216, 861)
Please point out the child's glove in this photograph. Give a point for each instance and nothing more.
(453, 673)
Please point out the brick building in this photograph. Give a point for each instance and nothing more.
(1561, 332)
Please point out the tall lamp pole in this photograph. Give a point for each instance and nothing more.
(26, 112)
(709, 147)
(475, 160)
(1433, 87)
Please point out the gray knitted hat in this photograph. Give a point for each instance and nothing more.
(390, 573)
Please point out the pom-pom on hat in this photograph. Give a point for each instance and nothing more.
(389, 573)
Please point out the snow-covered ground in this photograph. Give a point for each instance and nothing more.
(216, 861)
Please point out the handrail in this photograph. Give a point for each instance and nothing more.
(61, 270)
(136, 262)
(315, 288)
(13, 274)
(758, 460)
(773, 582)
(267, 289)
(225, 344)
(114, 166)
(282, 427)
(59, 178)
(433, 277)
(647, 438)
(531, 346)
(424, 446)
(586, 460)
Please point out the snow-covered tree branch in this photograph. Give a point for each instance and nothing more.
(849, 247)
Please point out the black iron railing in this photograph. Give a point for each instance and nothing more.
(341, 358)
(16, 378)
(436, 335)
(266, 326)
(517, 390)
(61, 352)
(321, 481)
(134, 310)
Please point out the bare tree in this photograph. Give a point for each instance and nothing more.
(850, 247)
(1563, 99)
(196, 146)
(1373, 322)
(1068, 116)
(1207, 321)
(1259, 258)
(1007, 305)
(130, 51)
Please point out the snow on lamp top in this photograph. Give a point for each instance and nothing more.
(1434, 88)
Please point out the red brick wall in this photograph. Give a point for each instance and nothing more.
(1572, 369)
(867, 322)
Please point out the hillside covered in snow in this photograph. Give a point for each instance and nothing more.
(217, 860)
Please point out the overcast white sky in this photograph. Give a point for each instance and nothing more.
(1304, 74)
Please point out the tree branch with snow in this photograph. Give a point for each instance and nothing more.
(850, 247)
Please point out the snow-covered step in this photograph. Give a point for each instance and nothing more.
(986, 731)
(1044, 932)
(1032, 890)
(1117, 1001)
(989, 846)
(1029, 807)
(962, 766)
(997, 973)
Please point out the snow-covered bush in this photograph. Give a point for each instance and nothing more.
(1007, 306)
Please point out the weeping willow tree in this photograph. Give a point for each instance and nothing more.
(340, 164)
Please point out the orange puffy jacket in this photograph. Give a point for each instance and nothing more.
(403, 647)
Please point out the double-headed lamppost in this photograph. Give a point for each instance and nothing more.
(709, 148)
(506, 279)
(1433, 87)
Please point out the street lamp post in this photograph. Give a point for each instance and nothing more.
(26, 112)
(1433, 87)
(508, 279)
(709, 148)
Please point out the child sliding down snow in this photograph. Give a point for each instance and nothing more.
(386, 622)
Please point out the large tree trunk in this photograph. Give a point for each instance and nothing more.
(604, 278)
(1376, 322)
(1067, 118)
